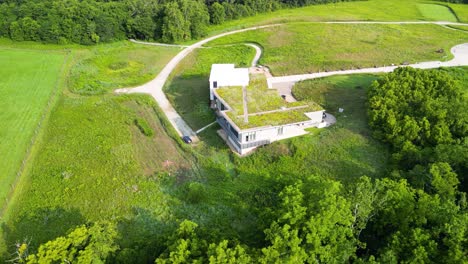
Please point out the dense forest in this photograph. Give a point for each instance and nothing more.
(417, 214)
(92, 21)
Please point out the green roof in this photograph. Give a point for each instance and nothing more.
(265, 106)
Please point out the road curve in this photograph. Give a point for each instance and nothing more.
(258, 53)
(155, 87)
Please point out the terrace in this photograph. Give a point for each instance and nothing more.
(261, 106)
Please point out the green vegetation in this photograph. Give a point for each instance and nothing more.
(464, 28)
(373, 10)
(461, 11)
(92, 22)
(96, 183)
(122, 64)
(437, 12)
(29, 80)
(421, 115)
(144, 127)
(260, 99)
(83, 245)
(339, 46)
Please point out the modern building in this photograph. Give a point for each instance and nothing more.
(252, 115)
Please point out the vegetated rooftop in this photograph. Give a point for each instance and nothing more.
(265, 106)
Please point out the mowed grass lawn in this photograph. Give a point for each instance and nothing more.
(437, 12)
(300, 48)
(371, 10)
(28, 79)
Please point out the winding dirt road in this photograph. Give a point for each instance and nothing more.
(155, 87)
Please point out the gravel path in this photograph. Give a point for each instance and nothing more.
(155, 87)
(258, 53)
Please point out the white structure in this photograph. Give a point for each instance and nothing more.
(225, 75)
(245, 140)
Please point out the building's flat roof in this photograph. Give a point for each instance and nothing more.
(265, 106)
(228, 73)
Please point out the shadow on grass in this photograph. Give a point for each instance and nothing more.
(190, 96)
(40, 226)
(142, 235)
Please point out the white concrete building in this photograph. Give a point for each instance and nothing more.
(225, 75)
(241, 136)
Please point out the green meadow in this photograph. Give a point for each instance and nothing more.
(375, 10)
(29, 80)
(299, 48)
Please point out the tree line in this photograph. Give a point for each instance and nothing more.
(92, 21)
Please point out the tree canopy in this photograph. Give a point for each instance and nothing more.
(92, 21)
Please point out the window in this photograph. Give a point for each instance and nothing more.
(280, 131)
(250, 137)
(215, 84)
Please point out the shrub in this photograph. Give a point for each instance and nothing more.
(195, 192)
(144, 127)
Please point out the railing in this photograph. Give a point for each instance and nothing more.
(255, 144)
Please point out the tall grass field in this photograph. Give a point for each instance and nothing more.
(27, 81)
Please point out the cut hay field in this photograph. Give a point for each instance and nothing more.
(28, 81)
(300, 48)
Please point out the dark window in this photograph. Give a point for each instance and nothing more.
(215, 84)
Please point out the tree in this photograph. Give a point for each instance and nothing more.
(175, 27)
(16, 32)
(217, 13)
(314, 225)
(85, 244)
(30, 28)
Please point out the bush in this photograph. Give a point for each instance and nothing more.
(144, 127)
(195, 192)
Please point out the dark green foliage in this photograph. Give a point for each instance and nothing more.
(422, 115)
(92, 21)
(143, 127)
(195, 192)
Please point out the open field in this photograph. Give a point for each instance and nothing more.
(300, 48)
(93, 160)
(89, 167)
(437, 12)
(118, 65)
(374, 10)
(29, 78)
